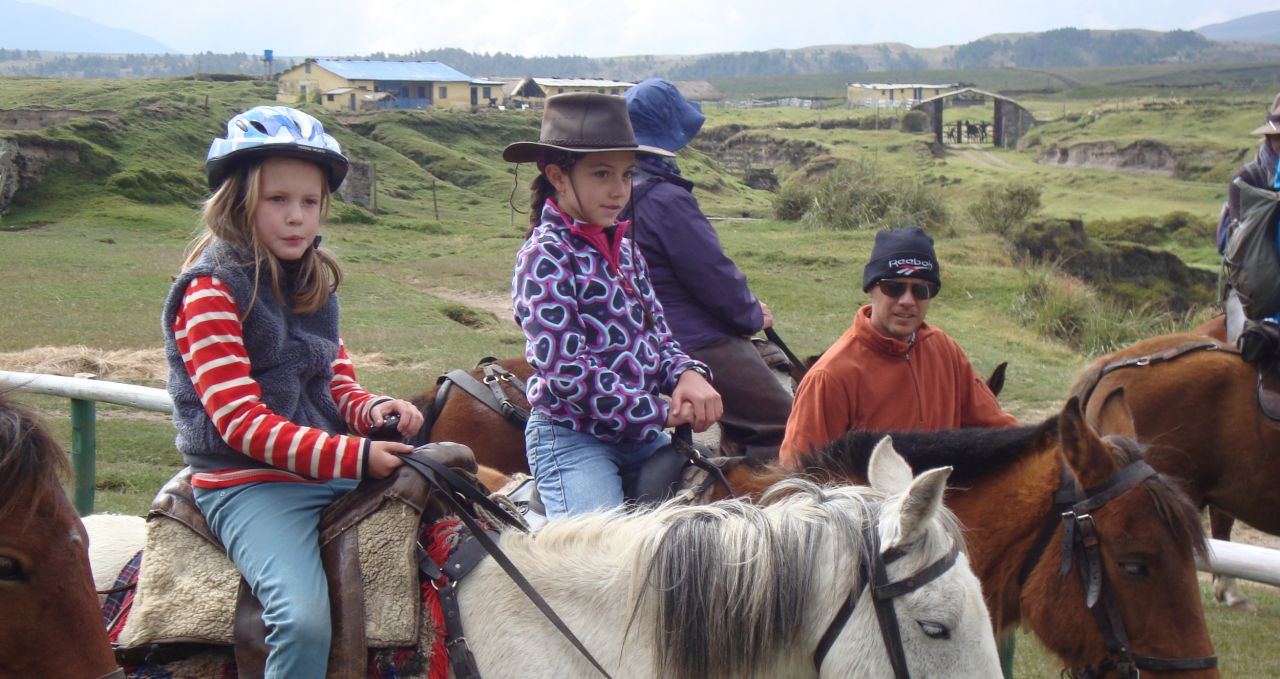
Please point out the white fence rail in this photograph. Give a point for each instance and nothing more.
(119, 393)
(1247, 562)
(84, 394)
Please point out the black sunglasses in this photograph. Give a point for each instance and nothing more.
(896, 289)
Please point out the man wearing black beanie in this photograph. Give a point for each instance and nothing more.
(891, 371)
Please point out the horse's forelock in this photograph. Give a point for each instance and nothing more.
(28, 455)
(1171, 502)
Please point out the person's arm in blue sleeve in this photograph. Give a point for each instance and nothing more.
(671, 215)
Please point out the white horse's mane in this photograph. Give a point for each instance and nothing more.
(726, 586)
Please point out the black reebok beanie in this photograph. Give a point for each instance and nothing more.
(902, 253)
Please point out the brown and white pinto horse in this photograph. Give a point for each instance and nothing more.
(1141, 531)
(47, 598)
(1194, 402)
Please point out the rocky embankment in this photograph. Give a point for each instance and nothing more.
(25, 156)
(1143, 157)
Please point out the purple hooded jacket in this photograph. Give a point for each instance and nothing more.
(704, 294)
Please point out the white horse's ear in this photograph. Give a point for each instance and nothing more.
(920, 504)
(887, 471)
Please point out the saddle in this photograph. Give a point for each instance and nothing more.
(673, 471)
(189, 592)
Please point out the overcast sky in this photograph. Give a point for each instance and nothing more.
(618, 27)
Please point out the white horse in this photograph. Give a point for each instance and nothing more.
(734, 589)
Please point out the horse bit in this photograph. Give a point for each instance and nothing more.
(874, 572)
(1083, 545)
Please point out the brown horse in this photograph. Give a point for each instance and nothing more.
(1199, 413)
(459, 417)
(45, 583)
(1003, 491)
(498, 441)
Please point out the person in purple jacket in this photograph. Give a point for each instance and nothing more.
(710, 309)
(596, 335)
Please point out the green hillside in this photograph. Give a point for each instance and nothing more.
(106, 197)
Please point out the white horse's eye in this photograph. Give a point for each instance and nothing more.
(934, 630)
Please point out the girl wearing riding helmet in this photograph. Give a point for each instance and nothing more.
(595, 334)
(266, 404)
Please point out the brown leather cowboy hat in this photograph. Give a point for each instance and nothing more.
(581, 122)
(1272, 126)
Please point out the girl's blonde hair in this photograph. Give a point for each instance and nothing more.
(228, 216)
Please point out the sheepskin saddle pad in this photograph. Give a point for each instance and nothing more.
(188, 588)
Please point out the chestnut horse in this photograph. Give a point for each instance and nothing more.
(46, 587)
(1141, 550)
(1198, 411)
(498, 441)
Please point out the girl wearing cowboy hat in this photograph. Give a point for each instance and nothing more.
(595, 333)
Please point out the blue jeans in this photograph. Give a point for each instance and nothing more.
(270, 532)
(578, 472)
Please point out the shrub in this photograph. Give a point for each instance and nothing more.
(156, 188)
(915, 121)
(792, 202)
(1004, 209)
(861, 195)
(1063, 308)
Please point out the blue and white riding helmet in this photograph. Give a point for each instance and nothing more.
(274, 131)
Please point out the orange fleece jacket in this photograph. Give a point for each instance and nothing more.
(869, 381)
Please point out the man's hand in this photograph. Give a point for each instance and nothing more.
(694, 402)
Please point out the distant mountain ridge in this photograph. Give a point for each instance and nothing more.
(1063, 47)
(1261, 27)
(36, 27)
(1059, 48)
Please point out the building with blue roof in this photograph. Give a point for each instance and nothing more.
(358, 85)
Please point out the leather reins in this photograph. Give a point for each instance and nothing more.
(875, 574)
(460, 495)
(1082, 550)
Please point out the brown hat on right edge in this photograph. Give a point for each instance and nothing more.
(1272, 125)
(581, 122)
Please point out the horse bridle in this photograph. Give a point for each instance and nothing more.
(1081, 544)
(874, 573)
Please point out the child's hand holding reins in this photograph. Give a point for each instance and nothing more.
(694, 402)
(410, 416)
(384, 457)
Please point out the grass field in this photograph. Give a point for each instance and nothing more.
(86, 255)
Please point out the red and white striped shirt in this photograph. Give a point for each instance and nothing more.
(211, 339)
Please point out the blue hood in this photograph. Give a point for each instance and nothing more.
(661, 116)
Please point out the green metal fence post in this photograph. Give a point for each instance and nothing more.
(84, 451)
(1005, 644)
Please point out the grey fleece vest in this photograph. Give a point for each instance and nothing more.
(291, 358)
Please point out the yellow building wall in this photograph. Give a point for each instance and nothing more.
(451, 94)
(857, 96)
(292, 82)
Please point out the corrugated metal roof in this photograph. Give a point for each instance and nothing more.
(898, 86)
(393, 70)
(580, 82)
(967, 90)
